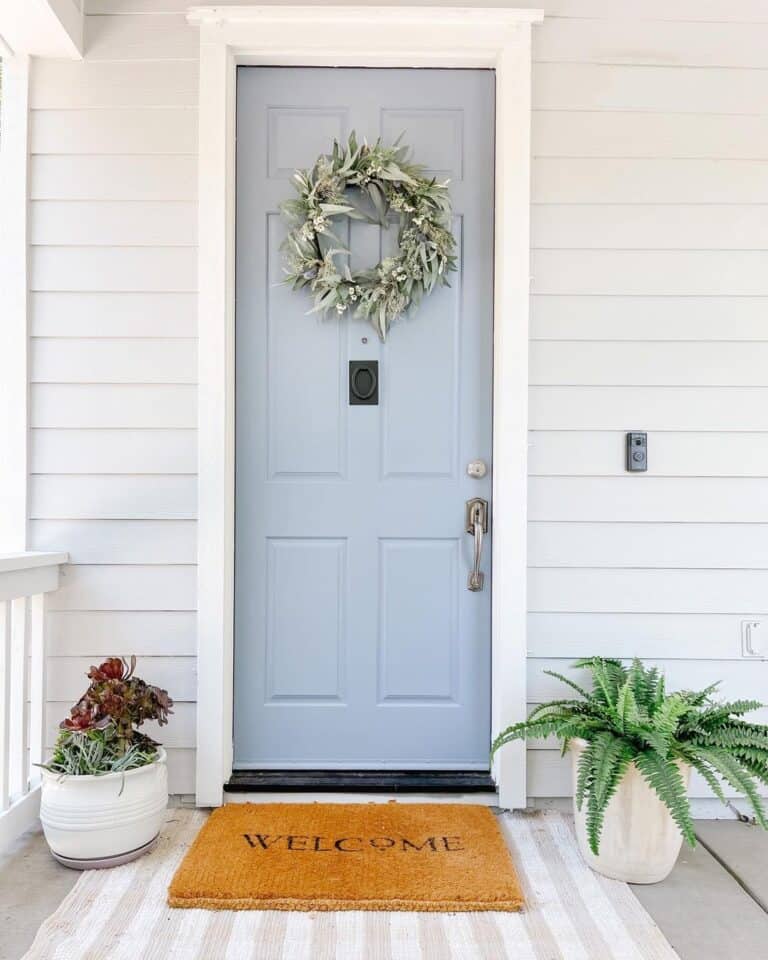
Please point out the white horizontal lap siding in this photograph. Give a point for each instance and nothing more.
(125, 497)
(153, 178)
(649, 307)
(649, 42)
(646, 89)
(128, 130)
(91, 222)
(631, 226)
(108, 314)
(647, 317)
(602, 133)
(113, 358)
(652, 408)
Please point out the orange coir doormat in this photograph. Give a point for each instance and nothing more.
(357, 856)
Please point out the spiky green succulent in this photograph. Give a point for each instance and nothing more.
(628, 717)
(97, 750)
(317, 258)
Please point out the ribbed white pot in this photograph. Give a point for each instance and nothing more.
(640, 841)
(101, 821)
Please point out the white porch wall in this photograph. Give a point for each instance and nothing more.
(650, 263)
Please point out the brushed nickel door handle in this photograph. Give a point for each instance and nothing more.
(477, 526)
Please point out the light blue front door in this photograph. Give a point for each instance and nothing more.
(358, 644)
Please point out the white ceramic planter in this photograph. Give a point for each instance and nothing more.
(91, 822)
(640, 841)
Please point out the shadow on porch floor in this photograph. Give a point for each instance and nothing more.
(713, 906)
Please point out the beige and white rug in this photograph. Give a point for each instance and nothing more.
(571, 914)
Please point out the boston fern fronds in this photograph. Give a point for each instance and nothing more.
(628, 717)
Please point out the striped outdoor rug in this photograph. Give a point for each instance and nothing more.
(572, 914)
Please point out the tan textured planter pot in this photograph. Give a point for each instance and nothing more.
(640, 841)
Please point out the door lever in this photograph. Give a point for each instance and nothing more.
(476, 526)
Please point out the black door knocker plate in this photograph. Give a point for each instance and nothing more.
(364, 382)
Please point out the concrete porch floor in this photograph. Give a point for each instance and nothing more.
(714, 906)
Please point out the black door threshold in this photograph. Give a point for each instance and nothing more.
(329, 781)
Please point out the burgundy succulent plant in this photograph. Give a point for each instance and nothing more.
(116, 696)
(82, 718)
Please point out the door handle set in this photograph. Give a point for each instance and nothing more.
(476, 527)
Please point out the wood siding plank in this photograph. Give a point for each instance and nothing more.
(113, 451)
(84, 497)
(639, 544)
(650, 42)
(66, 360)
(125, 588)
(111, 269)
(589, 86)
(113, 405)
(105, 314)
(649, 226)
(688, 364)
(651, 591)
(648, 408)
(648, 318)
(128, 130)
(98, 633)
(684, 636)
(634, 497)
(88, 84)
(575, 180)
(639, 272)
(158, 178)
(118, 541)
(130, 223)
(557, 133)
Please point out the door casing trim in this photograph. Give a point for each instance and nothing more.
(398, 36)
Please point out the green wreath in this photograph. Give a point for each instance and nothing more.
(427, 248)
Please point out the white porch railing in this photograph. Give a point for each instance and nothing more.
(25, 578)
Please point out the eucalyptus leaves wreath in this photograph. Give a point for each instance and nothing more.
(427, 248)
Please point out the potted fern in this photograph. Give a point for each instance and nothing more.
(105, 787)
(633, 746)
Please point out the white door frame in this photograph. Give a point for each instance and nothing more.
(364, 37)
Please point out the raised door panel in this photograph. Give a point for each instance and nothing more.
(305, 628)
(306, 418)
(296, 135)
(419, 622)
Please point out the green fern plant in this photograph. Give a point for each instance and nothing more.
(628, 717)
